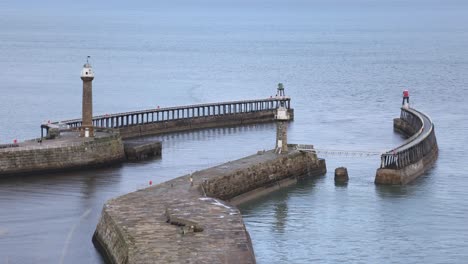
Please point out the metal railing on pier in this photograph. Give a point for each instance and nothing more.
(414, 148)
(183, 112)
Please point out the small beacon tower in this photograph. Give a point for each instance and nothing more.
(280, 92)
(282, 118)
(87, 75)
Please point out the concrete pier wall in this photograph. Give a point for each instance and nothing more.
(263, 174)
(66, 156)
(428, 151)
(404, 128)
(407, 174)
(136, 150)
(194, 123)
(185, 220)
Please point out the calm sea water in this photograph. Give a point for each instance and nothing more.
(344, 63)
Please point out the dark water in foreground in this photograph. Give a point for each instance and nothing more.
(344, 63)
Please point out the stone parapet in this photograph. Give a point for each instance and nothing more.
(65, 155)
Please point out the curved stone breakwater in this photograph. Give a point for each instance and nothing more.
(189, 219)
(415, 156)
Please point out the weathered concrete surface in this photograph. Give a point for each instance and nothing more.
(402, 127)
(53, 132)
(409, 173)
(282, 135)
(194, 123)
(341, 175)
(64, 153)
(140, 150)
(183, 222)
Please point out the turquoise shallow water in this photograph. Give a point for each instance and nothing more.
(344, 63)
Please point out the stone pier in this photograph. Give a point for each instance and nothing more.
(68, 151)
(189, 117)
(415, 156)
(190, 219)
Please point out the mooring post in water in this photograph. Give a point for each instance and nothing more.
(341, 175)
(87, 75)
(282, 118)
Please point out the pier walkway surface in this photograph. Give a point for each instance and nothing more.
(66, 152)
(186, 220)
(66, 139)
(416, 155)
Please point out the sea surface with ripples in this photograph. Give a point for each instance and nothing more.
(344, 63)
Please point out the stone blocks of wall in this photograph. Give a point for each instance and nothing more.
(116, 247)
(64, 157)
(142, 150)
(237, 182)
(402, 127)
